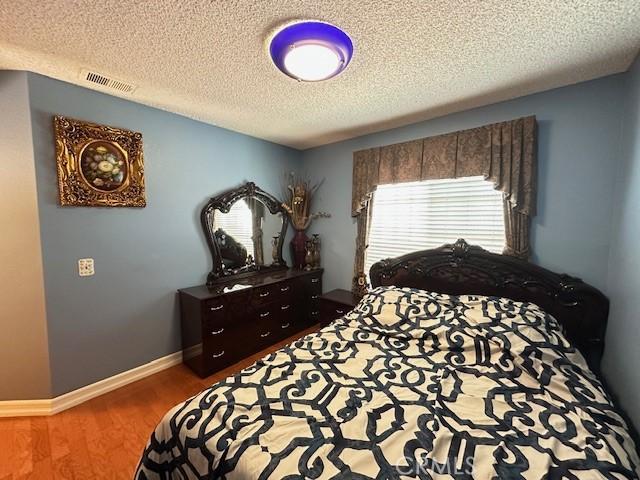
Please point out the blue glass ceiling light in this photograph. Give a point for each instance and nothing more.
(311, 51)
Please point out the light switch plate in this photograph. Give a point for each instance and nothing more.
(85, 267)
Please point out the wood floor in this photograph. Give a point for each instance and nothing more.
(104, 437)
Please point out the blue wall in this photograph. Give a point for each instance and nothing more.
(622, 355)
(127, 314)
(579, 132)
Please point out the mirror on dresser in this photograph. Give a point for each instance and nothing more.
(245, 229)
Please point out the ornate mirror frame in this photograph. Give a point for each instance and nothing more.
(223, 203)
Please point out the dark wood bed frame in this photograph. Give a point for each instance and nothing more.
(460, 268)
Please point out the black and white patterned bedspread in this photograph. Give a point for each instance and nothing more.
(410, 384)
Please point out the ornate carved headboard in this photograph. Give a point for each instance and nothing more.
(460, 269)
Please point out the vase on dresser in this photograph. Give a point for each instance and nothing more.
(298, 207)
(298, 249)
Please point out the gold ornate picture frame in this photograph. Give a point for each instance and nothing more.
(98, 166)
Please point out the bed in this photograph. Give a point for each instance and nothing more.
(459, 363)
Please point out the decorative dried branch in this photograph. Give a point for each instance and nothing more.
(299, 193)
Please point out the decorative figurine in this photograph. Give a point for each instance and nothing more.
(274, 250)
(316, 250)
(309, 256)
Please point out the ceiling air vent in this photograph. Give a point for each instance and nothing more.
(107, 82)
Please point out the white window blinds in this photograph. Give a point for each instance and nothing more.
(415, 216)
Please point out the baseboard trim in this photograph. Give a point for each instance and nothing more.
(43, 407)
(25, 408)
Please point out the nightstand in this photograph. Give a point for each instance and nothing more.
(336, 303)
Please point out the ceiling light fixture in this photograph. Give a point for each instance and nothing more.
(311, 51)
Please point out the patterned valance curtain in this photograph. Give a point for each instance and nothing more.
(504, 153)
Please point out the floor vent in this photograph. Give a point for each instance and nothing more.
(107, 82)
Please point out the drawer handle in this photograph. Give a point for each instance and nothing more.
(285, 307)
(285, 289)
(265, 335)
(265, 314)
(217, 332)
(315, 313)
(313, 297)
(218, 355)
(286, 325)
(265, 294)
(315, 280)
(219, 307)
(339, 312)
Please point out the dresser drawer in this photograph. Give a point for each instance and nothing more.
(216, 333)
(314, 315)
(271, 294)
(288, 322)
(273, 322)
(285, 307)
(330, 311)
(314, 283)
(266, 313)
(220, 350)
(265, 330)
(335, 304)
(223, 310)
(284, 289)
(263, 295)
(215, 359)
(214, 309)
(213, 320)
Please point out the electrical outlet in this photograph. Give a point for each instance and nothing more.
(85, 267)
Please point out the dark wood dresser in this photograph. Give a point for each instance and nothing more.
(235, 318)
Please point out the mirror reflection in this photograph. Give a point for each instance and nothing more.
(246, 234)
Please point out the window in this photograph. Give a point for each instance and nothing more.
(415, 216)
(237, 223)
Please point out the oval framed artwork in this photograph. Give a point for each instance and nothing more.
(104, 166)
(98, 165)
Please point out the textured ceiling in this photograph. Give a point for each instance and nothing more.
(414, 59)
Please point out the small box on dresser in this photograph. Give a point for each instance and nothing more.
(235, 318)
